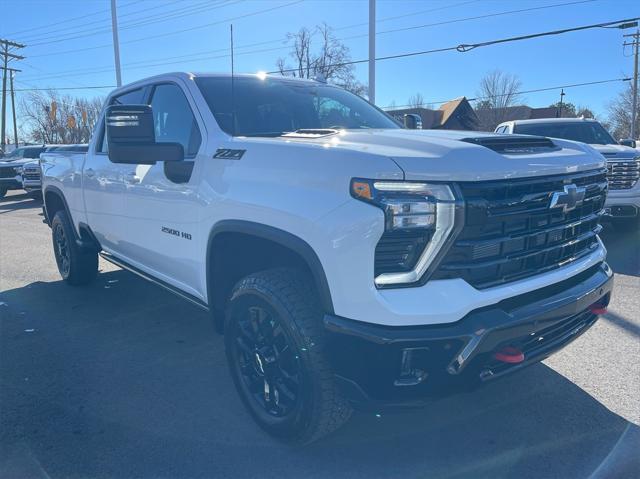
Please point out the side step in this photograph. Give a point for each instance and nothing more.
(172, 289)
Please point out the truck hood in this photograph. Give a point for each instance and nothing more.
(16, 162)
(617, 152)
(443, 155)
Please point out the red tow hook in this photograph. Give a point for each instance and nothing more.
(509, 355)
(597, 308)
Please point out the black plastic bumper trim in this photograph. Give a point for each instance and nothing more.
(365, 356)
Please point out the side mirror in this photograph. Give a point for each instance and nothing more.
(412, 121)
(131, 137)
(627, 142)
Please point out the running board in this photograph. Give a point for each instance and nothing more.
(172, 289)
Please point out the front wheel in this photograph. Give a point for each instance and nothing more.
(76, 265)
(274, 345)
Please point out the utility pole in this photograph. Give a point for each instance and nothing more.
(562, 94)
(634, 104)
(5, 52)
(116, 42)
(372, 51)
(13, 110)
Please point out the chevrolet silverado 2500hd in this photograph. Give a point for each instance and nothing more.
(348, 261)
(623, 162)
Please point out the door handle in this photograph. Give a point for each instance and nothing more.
(89, 173)
(132, 178)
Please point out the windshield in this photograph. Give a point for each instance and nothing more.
(272, 107)
(15, 154)
(587, 132)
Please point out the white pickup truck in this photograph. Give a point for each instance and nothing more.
(347, 260)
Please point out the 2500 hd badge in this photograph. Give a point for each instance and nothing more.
(180, 234)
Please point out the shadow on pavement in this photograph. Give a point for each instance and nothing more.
(623, 250)
(121, 379)
(22, 201)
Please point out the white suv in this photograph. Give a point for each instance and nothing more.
(347, 260)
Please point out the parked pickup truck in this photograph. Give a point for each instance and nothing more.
(11, 166)
(31, 175)
(349, 262)
(623, 161)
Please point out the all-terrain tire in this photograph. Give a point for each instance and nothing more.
(287, 295)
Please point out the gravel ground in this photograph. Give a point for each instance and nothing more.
(121, 379)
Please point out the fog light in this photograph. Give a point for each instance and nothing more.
(409, 375)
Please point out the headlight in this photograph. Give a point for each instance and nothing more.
(419, 220)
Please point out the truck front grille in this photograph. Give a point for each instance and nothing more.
(31, 174)
(511, 232)
(623, 175)
(7, 172)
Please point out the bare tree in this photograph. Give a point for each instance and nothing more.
(619, 111)
(584, 112)
(328, 57)
(48, 117)
(498, 91)
(416, 101)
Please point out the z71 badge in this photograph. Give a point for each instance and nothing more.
(227, 154)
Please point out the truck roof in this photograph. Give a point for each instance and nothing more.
(551, 120)
(192, 75)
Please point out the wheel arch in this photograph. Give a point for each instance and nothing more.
(53, 200)
(274, 241)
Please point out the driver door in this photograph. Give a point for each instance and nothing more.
(161, 200)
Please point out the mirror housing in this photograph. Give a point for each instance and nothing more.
(627, 142)
(131, 137)
(412, 121)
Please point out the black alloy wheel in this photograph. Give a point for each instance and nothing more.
(267, 360)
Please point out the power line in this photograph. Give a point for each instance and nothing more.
(88, 87)
(465, 47)
(81, 17)
(74, 29)
(136, 22)
(266, 42)
(489, 15)
(537, 90)
(175, 32)
(208, 56)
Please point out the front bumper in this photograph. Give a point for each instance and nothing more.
(382, 364)
(31, 185)
(623, 203)
(12, 183)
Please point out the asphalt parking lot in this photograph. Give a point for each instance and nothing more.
(121, 379)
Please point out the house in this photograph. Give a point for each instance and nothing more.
(456, 114)
(489, 118)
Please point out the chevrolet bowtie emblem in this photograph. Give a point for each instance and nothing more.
(568, 199)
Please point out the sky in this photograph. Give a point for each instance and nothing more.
(69, 43)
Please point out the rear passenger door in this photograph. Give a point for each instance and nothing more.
(162, 205)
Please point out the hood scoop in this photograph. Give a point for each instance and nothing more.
(514, 144)
(311, 133)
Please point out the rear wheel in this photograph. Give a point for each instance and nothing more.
(76, 265)
(274, 345)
